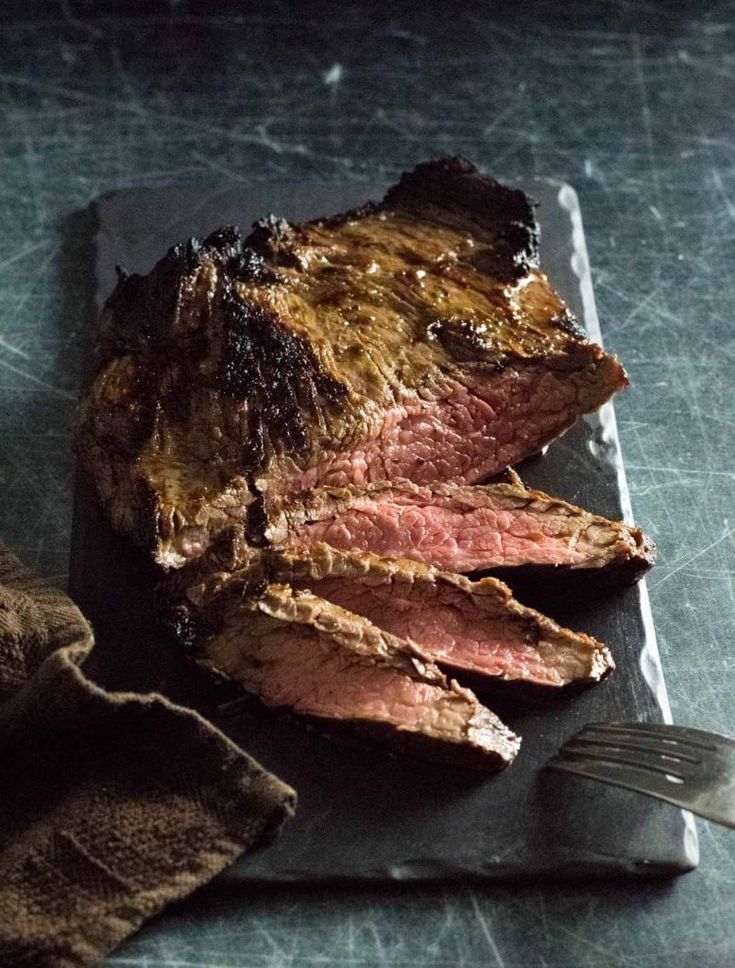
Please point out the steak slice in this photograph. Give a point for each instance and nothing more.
(456, 528)
(415, 338)
(297, 651)
(463, 626)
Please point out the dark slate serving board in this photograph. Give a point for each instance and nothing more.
(363, 814)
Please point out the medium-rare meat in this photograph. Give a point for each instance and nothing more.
(453, 527)
(463, 626)
(298, 651)
(415, 338)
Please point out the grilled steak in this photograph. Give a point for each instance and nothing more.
(416, 338)
(298, 651)
(452, 527)
(463, 626)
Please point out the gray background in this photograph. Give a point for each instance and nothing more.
(630, 102)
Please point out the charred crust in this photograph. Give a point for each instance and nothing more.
(464, 341)
(259, 359)
(142, 309)
(277, 372)
(257, 522)
(183, 625)
(453, 189)
(569, 324)
(188, 626)
(251, 267)
(276, 239)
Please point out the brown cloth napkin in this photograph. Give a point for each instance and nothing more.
(111, 804)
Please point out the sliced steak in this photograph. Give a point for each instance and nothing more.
(297, 651)
(416, 338)
(464, 626)
(456, 528)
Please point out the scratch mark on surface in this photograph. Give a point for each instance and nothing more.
(56, 391)
(637, 308)
(646, 114)
(699, 472)
(482, 921)
(172, 963)
(724, 537)
(260, 136)
(729, 206)
(38, 274)
(13, 349)
(43, 244)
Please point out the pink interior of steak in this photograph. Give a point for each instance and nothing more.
(449, 537)
(455, 631)
(296, 670)
(465, 435)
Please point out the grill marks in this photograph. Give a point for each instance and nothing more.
(453, 191)
(277, 372)
(191, 302)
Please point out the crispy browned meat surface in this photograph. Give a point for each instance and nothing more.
(305, 654)
(417, 338)
(473, 627)
(461, 528)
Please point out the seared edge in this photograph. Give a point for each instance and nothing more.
(583, 658)
(219, 625)
(611, 543)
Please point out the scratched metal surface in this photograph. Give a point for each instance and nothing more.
(631, 103)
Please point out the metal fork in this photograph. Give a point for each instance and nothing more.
(690, 768)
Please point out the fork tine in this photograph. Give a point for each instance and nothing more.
(642, 781)
(636, 760)
(642, 744)
(689, 768)
(679, 734)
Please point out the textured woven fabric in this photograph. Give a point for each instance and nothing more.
(111, 804)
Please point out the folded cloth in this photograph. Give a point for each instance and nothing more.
(111, 804)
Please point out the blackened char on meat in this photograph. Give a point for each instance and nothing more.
(414, 338)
